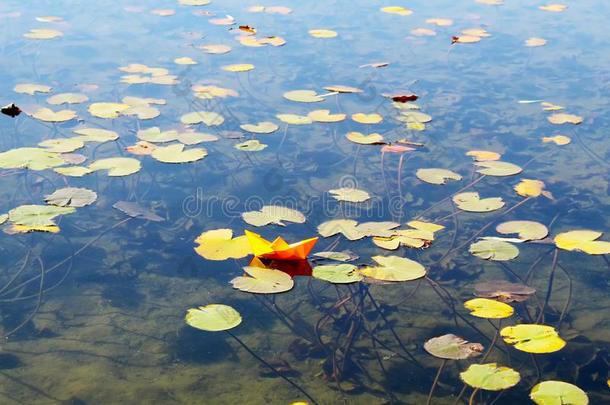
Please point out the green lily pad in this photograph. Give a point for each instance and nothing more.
(494, 250)
(117, 167)
(490, 377)
(30, 158)
(177, 154)
(213, 317)
(558, 393)
(338, 273)
(263, 281)
(37, 215)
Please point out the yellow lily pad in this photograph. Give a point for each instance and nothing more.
(32, 88)
(498, 168)
(219, 244)
(360, 138)
(325, 116)
(495, 250)
(264, 127)
(177, 154)
(350, 194)
(490, 377)
(95, 135)
(582, 241)
(273, 214)
(322, 33)
(437, 176)
(488, 309)
(558, 393)
(530, 188)
(107, 110)
(397, 10)
(117, 167)
(67, 98)
(527, 230)
(559, 140)
(238, 67)
(213, 318)
(471, 201)
(303, 96)
(208, 118)
(62, 145)
(294, 119)
(562, 118)
(42, 33)
(48, 115)
(533, 338)
(394, 268)
(337, 273)
(362, 118)
(30, 158)
(263, 281)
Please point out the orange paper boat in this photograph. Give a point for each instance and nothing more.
(279, 249)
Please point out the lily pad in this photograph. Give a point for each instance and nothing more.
(219, 244)
(177, 154)
(362, 118)
(252, 145)
(338, 273)
(494, 250)
(437, 176)
(71, 197)
(346, 227)
(30, 158)
(558, 393)
(37, 215)
(452, 347)
(582, 241)
(488, 309)
(62, 145)
(303, 96)
(325, 116)
(117, 167)
(490, 377)
(273, 214)
(95, 135)
(48, 115)
(504, 291)
(213, 317)
(360, 138)
(498, 168)
(135, 210)
(394, 268)
(263, 281)
(265, 127)
(471, 201)
(527, 230)
(208, 118)
(350, 194)
(533, 338)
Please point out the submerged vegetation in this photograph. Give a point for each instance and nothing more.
(387, 230)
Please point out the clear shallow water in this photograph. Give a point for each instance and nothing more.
(110, 326)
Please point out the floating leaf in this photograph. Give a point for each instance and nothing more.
(414, 117)
(338, 88)
(62, 145)
(349, 194)
(194, 138)
(273, 214)
(67, 98)
(213, 317)
(141, 148)
(294, 119)
(529, 188)
(37, 215)
(504, 291)
(560, 140)
(95, 135)
(437, 176)
(322, 33)
(535, 42)
(527, 230)
(452, 347)
(71, 197)
(397, 10)
(423, 32)
(31, 88)
(3, 218)
(554, 7)
(41, 33)
(394, 268)
(346, 227)
(211, 91)
(303, 96)
(265, 127)
(490, 377)
(483, 155)
(325, 116)
(338, 273)
(562, 118)
(362, 118)
(252, 145)
(344, 256)
(489, 309)
(30, 158)
(360, 138)
(154, 134)
(583, 241)
(441, 22)
(498, 168)
(48, 115)
(73, 171)
(117, 167)
(219, 244)
(215, 49)
(177, 154)
(263, 281)
(107, 110)
(207, 117)
(494, 250)
(185, 60)
(472, 202)
(238, 67)
(533, 338)
(135, 210)
(558, 393)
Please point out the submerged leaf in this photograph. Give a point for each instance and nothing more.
(135, 210)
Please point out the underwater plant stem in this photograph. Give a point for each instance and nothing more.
(549, 290)
(288, 380)
(493, 341)
(474, 393)
(436, 378)
(566, 306)
(26, 260)
(38, 303)
(79, 251)
(392, 331)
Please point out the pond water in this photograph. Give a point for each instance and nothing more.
(94, 312)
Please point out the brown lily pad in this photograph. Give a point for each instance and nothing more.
(452, 347)
(504, 291)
